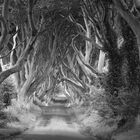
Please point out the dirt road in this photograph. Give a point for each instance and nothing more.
(57, 123)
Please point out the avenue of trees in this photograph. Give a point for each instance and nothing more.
(84, 45)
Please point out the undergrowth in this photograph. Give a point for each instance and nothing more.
(7, 92)
(26, 114)
(106, 114)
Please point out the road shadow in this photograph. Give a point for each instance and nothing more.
(50, 137)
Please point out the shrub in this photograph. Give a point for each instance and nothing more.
(7, 90)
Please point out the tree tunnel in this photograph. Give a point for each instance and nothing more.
(86, 50)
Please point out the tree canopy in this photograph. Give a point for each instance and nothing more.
(78, 44)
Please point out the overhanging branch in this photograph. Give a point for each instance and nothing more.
(70, 81)
(82, 59)
(12, 50)
(73, 83)
(5, 74)
(18, 66)
(83, 84)
(30, 17)
(92, 41)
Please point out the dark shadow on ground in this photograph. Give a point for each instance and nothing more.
(51, 137)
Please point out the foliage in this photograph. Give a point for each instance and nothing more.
(7, 92)
(3, 119)
(126, 104)
(7, 88)
(21, 115)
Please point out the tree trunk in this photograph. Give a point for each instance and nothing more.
(88, 35)
(130, 53)
(23, 91)
(130, 19)
(114, 80)
(1, 64)
(101, 61)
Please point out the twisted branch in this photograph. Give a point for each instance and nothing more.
(30, 17)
